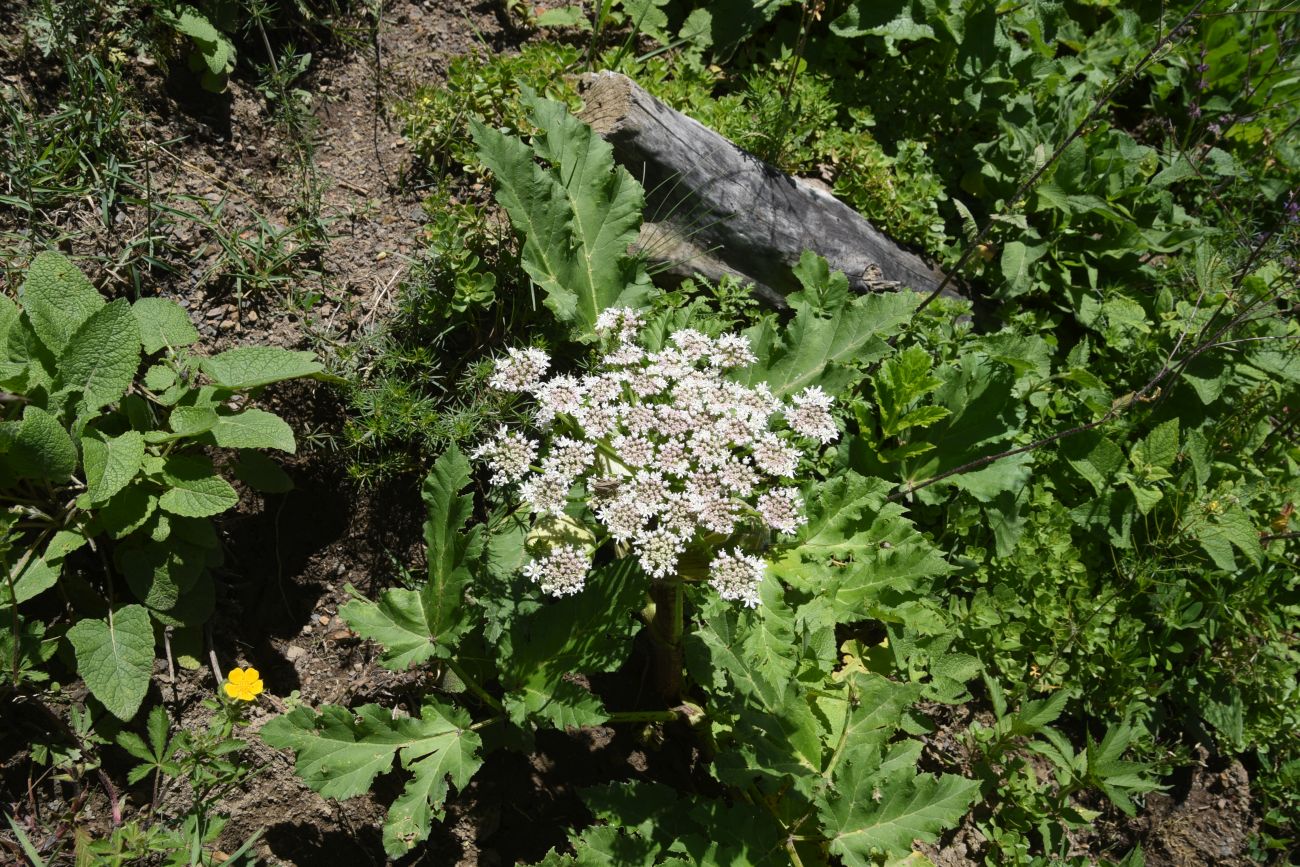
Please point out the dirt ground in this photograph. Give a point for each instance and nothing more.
(291, 557)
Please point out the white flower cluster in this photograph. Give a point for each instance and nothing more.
(669, 452)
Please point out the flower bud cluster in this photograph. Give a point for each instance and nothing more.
(663, 450)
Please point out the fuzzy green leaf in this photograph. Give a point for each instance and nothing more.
(58, 299)
(195, 491)
(262, 473)
(42, 449)
(251, 366)
(253, 429)
(110, 464)
(102, 356)
(414, 626)
(163, 324)
(115, 658)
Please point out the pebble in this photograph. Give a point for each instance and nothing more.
(227, 324)
(306, 630)
(293, 652)
(324, 620)
(252, 316)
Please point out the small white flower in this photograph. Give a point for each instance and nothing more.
(737, 576)
(774, 457)
(622, 323)
(811, 415)
(781, 509)
(634, 451)
(561, 395)
(693, 344)
(509, 455)
(520, 370)
(732, 350)
(648, 491)
(621, 517)
(568, 457)
(562, 572)
(657, 552)
(546, 494)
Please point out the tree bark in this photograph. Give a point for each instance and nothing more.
(715, 209)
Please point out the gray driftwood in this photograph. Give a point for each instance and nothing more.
(714, 209)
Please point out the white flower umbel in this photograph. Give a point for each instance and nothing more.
(562, 572)
(737, 576)
(509, 455)
(663, 451)
(811, 415)
(520, 370)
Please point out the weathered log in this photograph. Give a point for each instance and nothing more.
(714, 209)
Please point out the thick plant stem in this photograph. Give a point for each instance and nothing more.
(473, 686)
(666, 627)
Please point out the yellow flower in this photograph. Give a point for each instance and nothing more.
(243, 683)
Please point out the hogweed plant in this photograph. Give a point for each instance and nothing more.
(660, 453)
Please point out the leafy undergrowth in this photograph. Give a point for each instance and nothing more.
(892, 577)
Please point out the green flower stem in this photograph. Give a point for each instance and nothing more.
(473, 686)
(646, 716)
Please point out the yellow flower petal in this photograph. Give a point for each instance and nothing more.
(232, 690)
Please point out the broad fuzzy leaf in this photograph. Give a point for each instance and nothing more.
(251, 366)
(115, 658)
(577, 217)
(339, 753)
(253, 429)
(163, 324)
(58, 299)
(194, 490)
(110, 464)
(102, 356)
(42, 449)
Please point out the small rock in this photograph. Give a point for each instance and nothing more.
(306, 630)
(217, 312)
(293, 652)
(227, 324)
(324, 620)
(252, 316)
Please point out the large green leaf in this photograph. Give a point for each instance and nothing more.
(110, 464)
(577, 217)
(251, 366)
(194, 489)
(58, 299)
(102, 356)
(339, 753)
(163, 324)
(414, 626)
(115, 658)
(868, 814)
(587, 632)
(42, 449)
(816, 349)
(253, 429)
